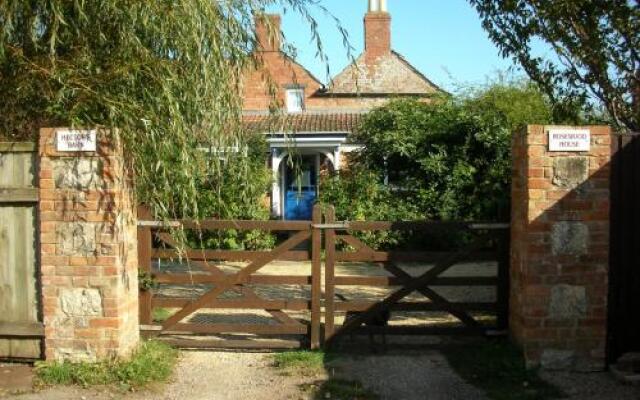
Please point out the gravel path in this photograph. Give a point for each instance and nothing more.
(353, 293)
(228, 376)
(408, 377)
(591, 386)
(237, 376)
(204, 375)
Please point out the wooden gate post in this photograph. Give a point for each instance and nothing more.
(316, 276)
(144, 261)
(502, 297)
(329, 275)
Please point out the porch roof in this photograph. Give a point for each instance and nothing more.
(303, 123)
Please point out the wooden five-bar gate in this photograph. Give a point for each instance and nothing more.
(311, 320)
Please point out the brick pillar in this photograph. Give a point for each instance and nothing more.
(560, 246)
(88, 251)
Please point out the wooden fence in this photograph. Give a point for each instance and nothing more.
(20, 326)
(487, 242)
(624, 277)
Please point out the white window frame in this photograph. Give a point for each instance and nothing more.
(295, 98)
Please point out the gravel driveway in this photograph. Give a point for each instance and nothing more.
(240, 375)
(353, 293)
(206, 375)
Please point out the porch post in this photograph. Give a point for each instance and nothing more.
(276, 196)
(336, 159)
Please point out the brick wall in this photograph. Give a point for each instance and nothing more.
(559, 255)
(281, 72)
(391, 75)
(88, 252)
(377, 73)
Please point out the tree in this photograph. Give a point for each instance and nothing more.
(166, 74)
(596, 45)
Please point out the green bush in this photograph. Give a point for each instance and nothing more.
(449, 159)
(357, 195)
(152, 362)
(236, 191)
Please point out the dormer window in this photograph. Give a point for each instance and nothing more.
(295, 100)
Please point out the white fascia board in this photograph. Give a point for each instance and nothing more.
(307, 141)
(349, 148)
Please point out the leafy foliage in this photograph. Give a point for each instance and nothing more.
(451, 160)
(448, 159)
(236, 191)
(595, 43)
(358, 195)
(167, 75)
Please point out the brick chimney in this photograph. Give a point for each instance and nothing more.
(268, 32)
(377, 30)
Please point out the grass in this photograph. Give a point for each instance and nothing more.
(344, 389)
(314, 363)
(152, 362)
(307, 363)
(499, 369)
(160, 314)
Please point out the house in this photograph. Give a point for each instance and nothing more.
(319, 119)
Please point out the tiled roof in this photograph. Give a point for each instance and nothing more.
(389, 75)
(303, 123)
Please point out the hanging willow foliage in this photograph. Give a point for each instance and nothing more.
(166, 73)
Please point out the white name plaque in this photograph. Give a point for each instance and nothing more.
(76, 140)
(569, 139)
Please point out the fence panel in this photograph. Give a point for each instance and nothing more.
(624, 273)
(20, 326)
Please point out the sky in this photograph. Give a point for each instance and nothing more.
(443, 39)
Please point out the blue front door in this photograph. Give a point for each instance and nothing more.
(301, 179)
